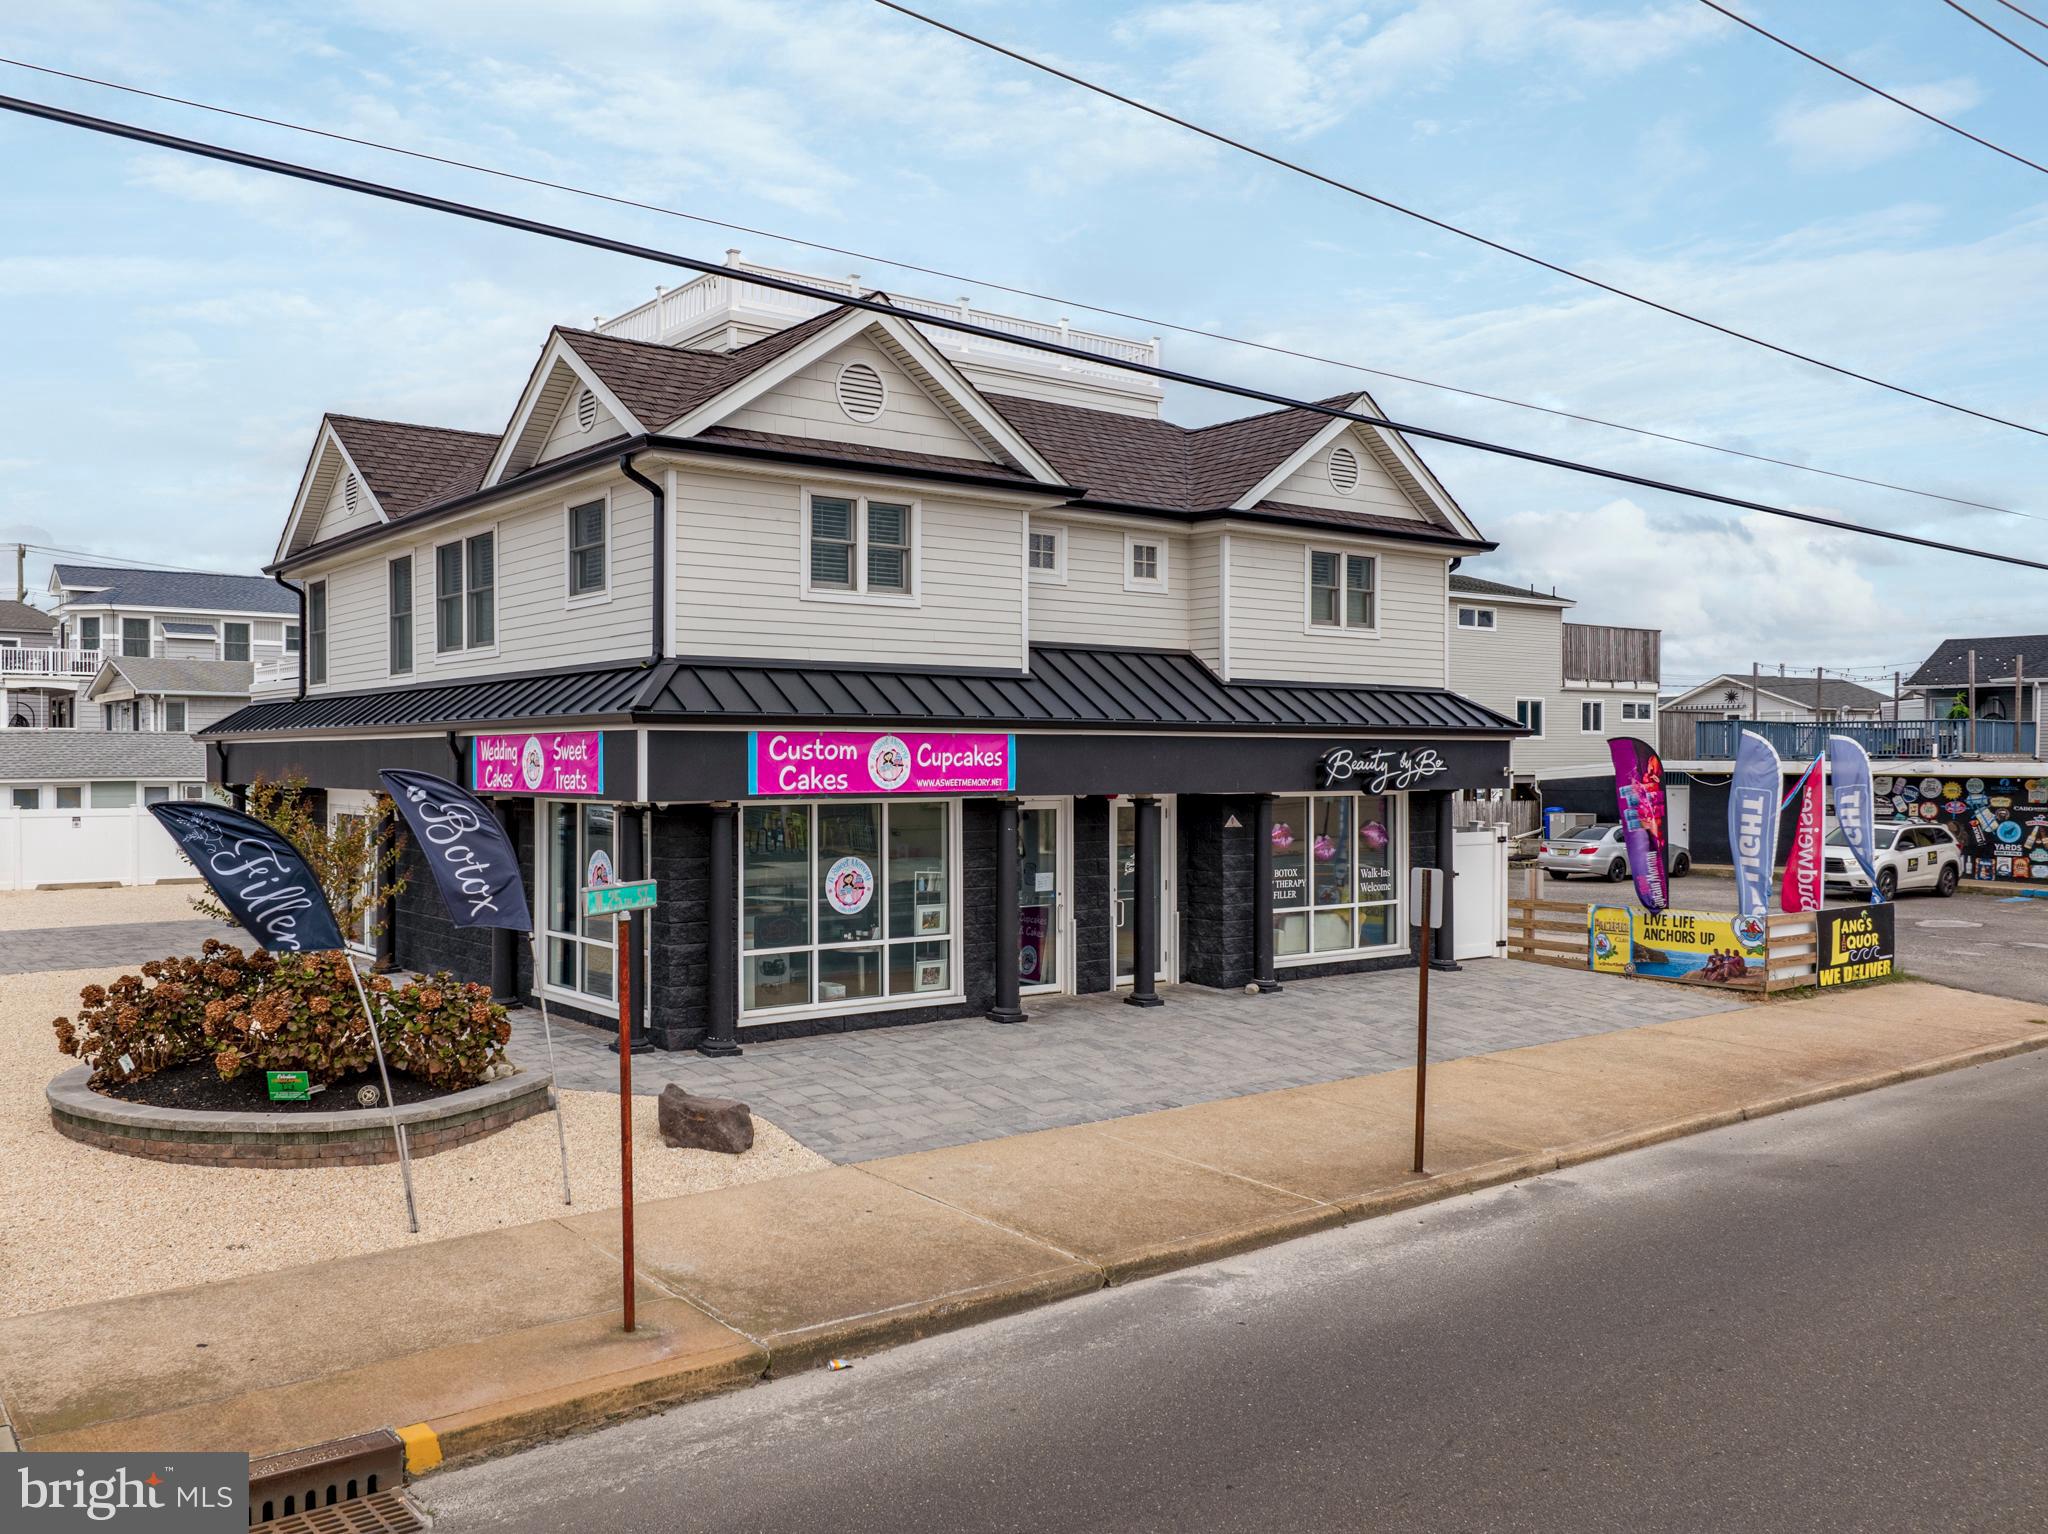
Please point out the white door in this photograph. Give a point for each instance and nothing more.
(1678, 815)
(1042, 902)
(1479, 859)
(1123, 893)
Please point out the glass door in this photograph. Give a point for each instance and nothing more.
(580, 949)
(1041, 895)
(1123, 864)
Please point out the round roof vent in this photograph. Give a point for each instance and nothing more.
(351, 493)
(1343, 470)
(586, 410)
(861, 391)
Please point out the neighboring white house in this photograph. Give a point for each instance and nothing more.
(1775, 695)
(1575, 686)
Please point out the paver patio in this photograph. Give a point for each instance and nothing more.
(894, 1091)
(38, 950)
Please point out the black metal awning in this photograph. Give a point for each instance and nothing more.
(1068, 687)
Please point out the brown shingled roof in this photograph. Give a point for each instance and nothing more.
(412, 466)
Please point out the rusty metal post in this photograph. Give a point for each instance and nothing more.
(1422, 1038)
(624, 937)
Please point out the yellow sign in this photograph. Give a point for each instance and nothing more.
(1698, 947)
(1607, 928)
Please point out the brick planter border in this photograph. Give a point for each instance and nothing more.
(352, 1137)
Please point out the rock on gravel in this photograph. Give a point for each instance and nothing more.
(690, 1122)
(79, 1224)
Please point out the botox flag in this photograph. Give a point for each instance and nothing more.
(1753, 797)
(252, 870)
(1802, 889)
(472, 861)
(1639, 789)
(1855, 804)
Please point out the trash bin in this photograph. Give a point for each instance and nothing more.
(1550, 814)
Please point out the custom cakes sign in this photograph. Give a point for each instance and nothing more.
(823, 762)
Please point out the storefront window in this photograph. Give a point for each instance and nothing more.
(844, 903)
(580, 948)
(1334, 862)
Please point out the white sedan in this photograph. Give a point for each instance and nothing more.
(1911, 855)
(1597, 852)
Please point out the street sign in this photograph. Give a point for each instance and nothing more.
(616, 899)
(1426, 896)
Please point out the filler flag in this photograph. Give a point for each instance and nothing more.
(1639, 790)
(261, 878)
(472, 860)
(1855, 804)
(1753, 800)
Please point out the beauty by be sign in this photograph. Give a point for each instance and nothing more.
(549, 762)
(814, 762)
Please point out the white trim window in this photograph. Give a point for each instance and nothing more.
(234, 640)
(1593, 717)
(135, 638)
(398, 614)
(848, 904)
(1046, 555)
(291, 639)
(1635, 712)
(587, 529)
(860, 548)
(1529, 715)
(28, 798)
(174, 716)
(1481, 618)
(466, 593)
(316, 632)
(1337, 866)
(1343, 590)
(582, 951)
(1144, 562)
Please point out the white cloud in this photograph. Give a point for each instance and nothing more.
(1862, 130)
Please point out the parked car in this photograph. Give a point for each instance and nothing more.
(1911, 855)
(1597, 852)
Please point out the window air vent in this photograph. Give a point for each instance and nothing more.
(351, 493)
(1343, 470)
(861, 392)
(586, 410)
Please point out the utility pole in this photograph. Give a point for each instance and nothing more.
(1972, 732)
(21, 572)
(1818, 712)
(1756, 697)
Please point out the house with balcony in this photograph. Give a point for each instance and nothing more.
(1573, 686)
(924, 672)
(1987, 688)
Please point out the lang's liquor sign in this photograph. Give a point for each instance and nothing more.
(1857, 943)
(821, 762)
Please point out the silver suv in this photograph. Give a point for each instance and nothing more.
(1911, 855)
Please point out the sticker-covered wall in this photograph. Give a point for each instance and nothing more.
(2001, 821)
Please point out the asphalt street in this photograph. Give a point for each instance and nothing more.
(1830, 1319)
(1997, 944)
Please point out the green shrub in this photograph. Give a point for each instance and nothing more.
(282, 1012)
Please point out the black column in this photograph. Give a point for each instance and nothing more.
(722, 1027)
(630, 837)
(1263, 975)
(504, 942)
(1443, 947)
(1145, 923)
(1008, 919)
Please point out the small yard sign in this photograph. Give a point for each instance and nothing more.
(289, 1086)
(613, 899)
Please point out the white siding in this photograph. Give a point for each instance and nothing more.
(1205, 598)
(536, 626)
(739, 580)
(1094, 608)
(1269, 634)
(567, 435)
(335, 518)
(1375, 491)
(190, 649)
(807, 405)
(1522, 656)
(201, 712)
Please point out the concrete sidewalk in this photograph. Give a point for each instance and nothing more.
(497, 1339)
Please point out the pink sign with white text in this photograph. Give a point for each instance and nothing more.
(568, 762)
(817, 762)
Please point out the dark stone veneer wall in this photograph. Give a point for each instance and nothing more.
(1214, 892)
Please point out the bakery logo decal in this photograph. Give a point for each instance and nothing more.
(169, 1493)
(849, 885)
(1376, 769)
(889, 762)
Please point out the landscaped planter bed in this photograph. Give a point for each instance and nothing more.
(306, 1136)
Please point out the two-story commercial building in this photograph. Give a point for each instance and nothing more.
(924, 674)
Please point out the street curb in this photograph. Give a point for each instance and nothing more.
(507, 1426)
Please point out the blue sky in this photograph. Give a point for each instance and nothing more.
(174, 329)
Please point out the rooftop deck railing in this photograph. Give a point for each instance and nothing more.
(1915, 739)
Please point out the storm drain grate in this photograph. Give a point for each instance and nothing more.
(383, 1512)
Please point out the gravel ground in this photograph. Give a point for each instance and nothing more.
(79, 1224)
(22, 910)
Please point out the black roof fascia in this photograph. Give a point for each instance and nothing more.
(1424, 533)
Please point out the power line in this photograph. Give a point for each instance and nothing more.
(1449, 228)
(1072, 303)
(1987, 26)
(122, 562)
(1875, 90)
(481, 215)
(2029, 15)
